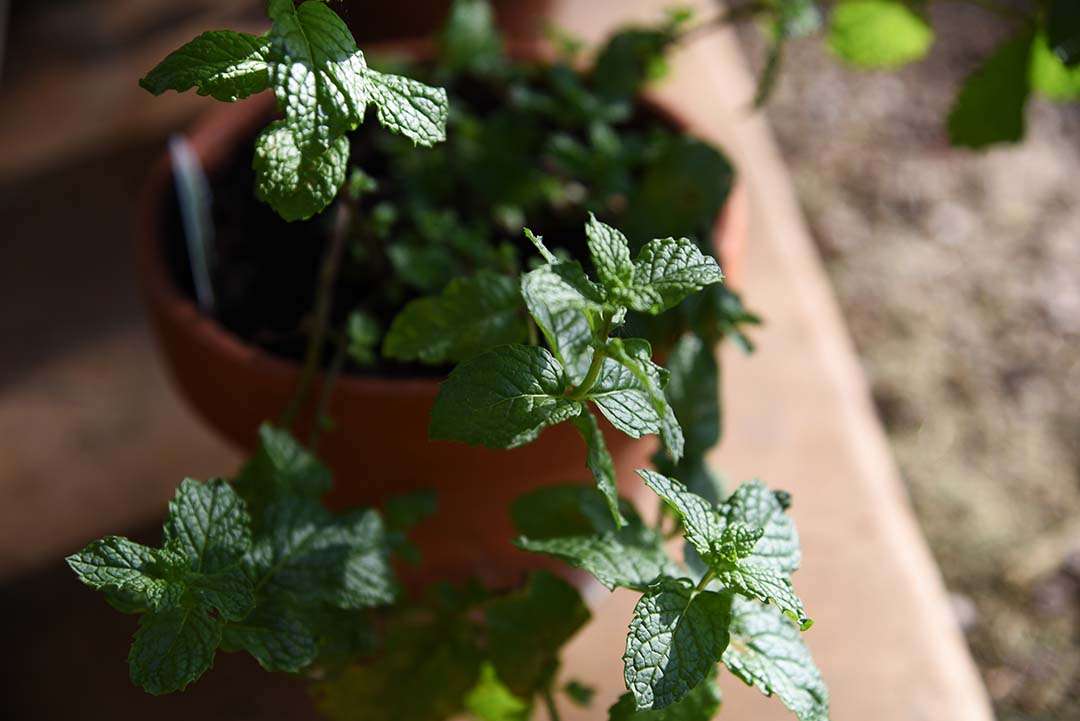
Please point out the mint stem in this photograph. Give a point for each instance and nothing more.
(549, 702)
(597, 362)
(323, 304)
(329, 380)
(704, 582)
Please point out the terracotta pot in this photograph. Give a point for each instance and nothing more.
(379, 447)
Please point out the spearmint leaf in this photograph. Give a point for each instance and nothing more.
(570, 510)
(767, 652)
(797, 18)
(599, 461)
(229, 592)
(470, 40)
(702, 523)
(693, 393)
(173, 648)
(209, 525)
(471, 315)
(636, 355)
(316, 74)
(878, 34)
(701, 704)
(561, 286)
(762, 581)
(990, 107)
(430, 663)
(1050, 76)
(307, 554)
(1063, 30)
(502, 398)
(676, 638)
(629, 60)
(281, 466)
(526, 630)
(756, 506)
(146, 577)
(632, 557)
(666, 272)
(408, 107)
(363, 331)
(276, 636)
(223, 64)
(610, 252)
(298, 181)
(624, 400)
(579, 694)
(491, 700)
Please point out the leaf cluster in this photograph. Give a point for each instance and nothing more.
(504, 397)
(323, 86)
(730, 601)
(256, 565)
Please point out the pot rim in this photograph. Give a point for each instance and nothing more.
(212, 138)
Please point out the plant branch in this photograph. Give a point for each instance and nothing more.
(549, 702)
(329, 380)
(705, 580)
(595, 365)
(324, 301)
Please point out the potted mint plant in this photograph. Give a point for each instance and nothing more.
(416, 265)
(529, 338)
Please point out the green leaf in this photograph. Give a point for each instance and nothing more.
(878, 34)
(209, 525)
(491, 700)
(610, 252)
(1050, 76)
(755, 579)
(309, 555)
(429, 665)
(990, 107)
(1063, 30)
(470, 40)
(599, 462)
(768, 652)
(569, 510)
(277, 637)
(666, 272)
(281, 466)
(636, 355)
(527, 629)
(756, 506)
(173, 648)
(632, 557)
(796, 18)
(408, 107)
(677, 636)
(693, 393)
(579, 694)
(316, 75)
(363, 332)
(297, 181)
(226, 65)
(701, 704)
(502, 398)
(148, 578)
(624, 400)
(472, 315)
(629, 60)
(702, 524)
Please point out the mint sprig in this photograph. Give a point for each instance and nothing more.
(323, 86)
(503, 398)
(279, 582)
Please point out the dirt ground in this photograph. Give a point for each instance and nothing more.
(959, 275)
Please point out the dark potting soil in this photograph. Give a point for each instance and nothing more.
(265, 269)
